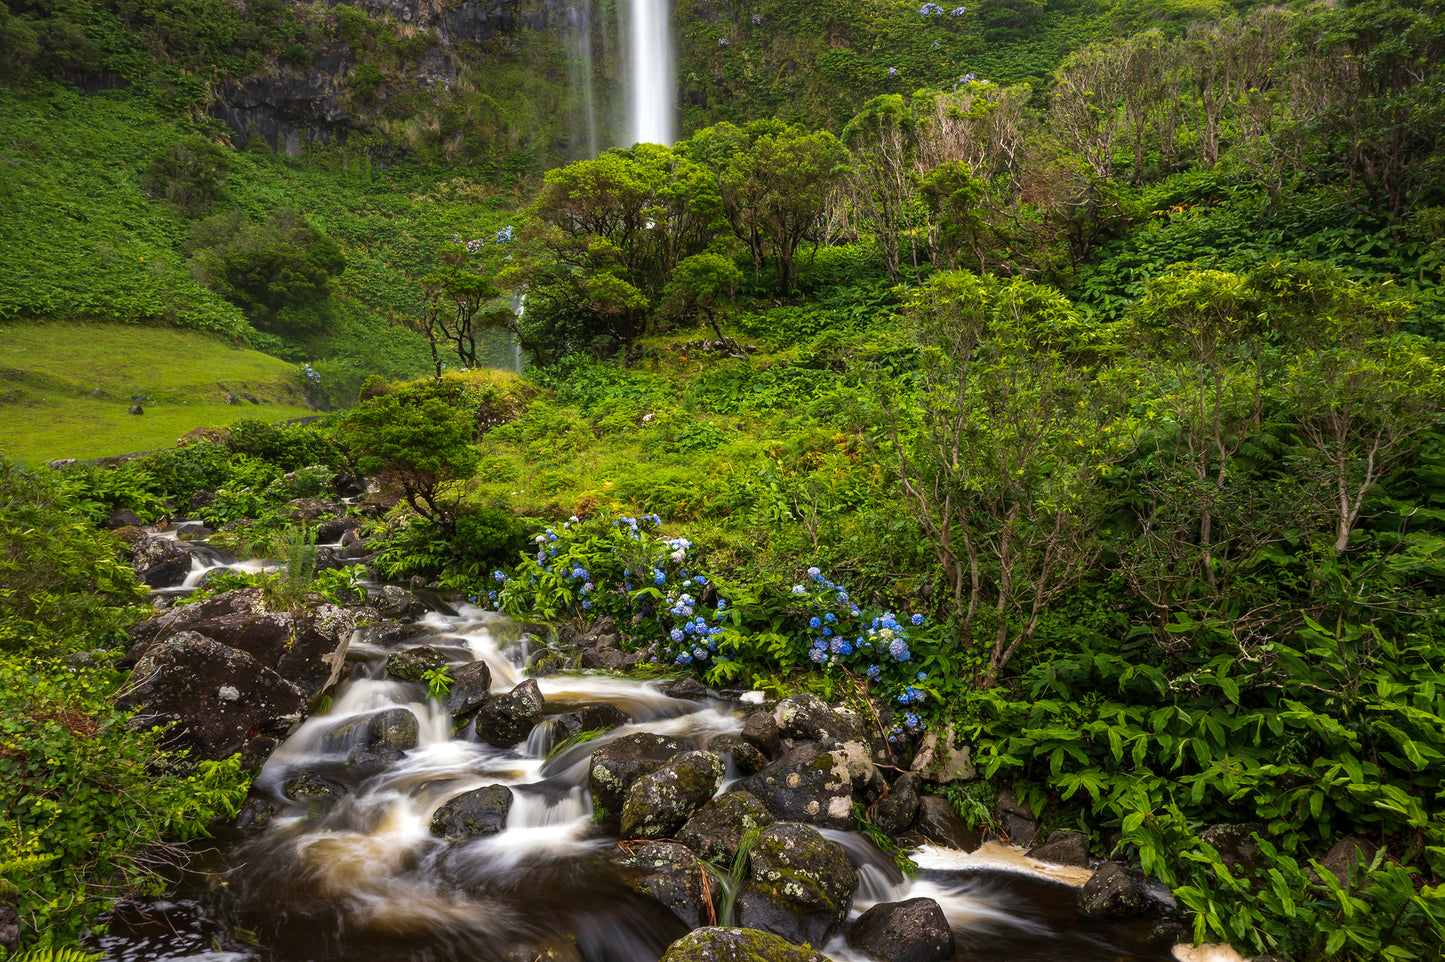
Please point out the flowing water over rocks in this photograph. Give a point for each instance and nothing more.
(385, 827)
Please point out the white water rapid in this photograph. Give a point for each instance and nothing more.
(650, 94)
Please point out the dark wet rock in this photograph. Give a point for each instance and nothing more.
(761, 730)
(308, 787)
(395, 603)
(1063, 848)
(255, 752)
(622, 761)
(743, 758)
(505, 720)
(546, 662)
(808, 718)
(254, 816)
(470, 688)
(603, 659)
(1016, 821)
(193, 532)
(129, 537)
(412, 663)
(1233, 842)
(1342, 858)
(799, 885)
(911, 931)
(123, 518)
(395, 729)
(896, 811)
(737, 945)
(384, 634)
(161, 562)
(309, 509)
(214, 695)
(669, 873)
(688, 688)
(809, 784)
(332, 530)
(308, 649)
(366, 760)
(473, 814)
(589, 718)
(940, 824)
(660, 802)
(9, 927)
(200, 500)
(717, 829)
(1112, 892)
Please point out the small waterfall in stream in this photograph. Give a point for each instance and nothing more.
(353, 872)
(650, 94)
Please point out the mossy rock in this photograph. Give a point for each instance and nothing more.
(800, 885)
(660, 803)
(737, 945)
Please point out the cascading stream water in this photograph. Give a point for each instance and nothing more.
(651, 93)
(345, 865)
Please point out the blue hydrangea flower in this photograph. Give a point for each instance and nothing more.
(829, 618)
(684, 659)
(814, 573)
(875, 672)
(658, 577)
(676, 634)
(499, 575)
(818, 655)
(586, 604)
(799, 590)
(898, 648)
(814, 622)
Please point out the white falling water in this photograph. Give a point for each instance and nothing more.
(650, 98)
(579, 39)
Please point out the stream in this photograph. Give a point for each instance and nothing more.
(361, 876)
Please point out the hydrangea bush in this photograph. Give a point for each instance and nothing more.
(655, 589)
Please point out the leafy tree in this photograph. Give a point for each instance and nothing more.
(698, 284)
(1003, 452)
(418, 442)
(882, 188)
(455, 311)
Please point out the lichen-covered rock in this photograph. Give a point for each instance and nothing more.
(556, 948)
(411, 664)
(808, 718)
(505, 720)
(911, 931)
(310, 787)
(474, 814)
(213, 695)
(717, 829)
(660, 802)
(687, 688)
(395, 729)
(799, 885)
(161, 562)
(813, 785)
(470, 688)
(397, 603)
(622, 761)
(669, 873)
(1113, 893)
(896, 810)
(939, 760)
(588, 718)
(940, 824)
(1063, 848)
(743, 758)
(760, 729)
(319, 640)
(737, 945)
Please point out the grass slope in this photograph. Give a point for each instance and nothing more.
(65, 388)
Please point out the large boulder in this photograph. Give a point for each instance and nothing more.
(214, 696)
(1112, 892)
(808, 718)
(394, 729)
(320, 637)
(161, 562)
(669, 873)
(622, 761)
(660, 802)
(410, 664)
(896, 810)
(474, 814)
(940, 824)
(737, 945)
(760, 729)
(911, 931)
(799, 885)
(814, 785)
(505, 720)
(396, 603)
(717, 829)
(470, 688)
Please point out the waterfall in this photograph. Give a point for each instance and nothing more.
(650, 98)
(579, 44)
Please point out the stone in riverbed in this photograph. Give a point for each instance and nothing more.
(911, 931)
(470, 688)
(940, 824)
(799, 885)
(669, 873)
(717, 829)
(809, 718)
(896, 810)
(1113, 893)
(1063, 848)
(737, 945)
(622, 761)
(809, 784)
(412, 663)
(395, 729)
(505, 720)
(473, 814)
(661, 802)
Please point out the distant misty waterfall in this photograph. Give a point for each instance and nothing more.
(650, 93)
(579, 45)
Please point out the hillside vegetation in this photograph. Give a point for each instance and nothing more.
(1089, 413)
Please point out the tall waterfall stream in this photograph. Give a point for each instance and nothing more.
(360, 876)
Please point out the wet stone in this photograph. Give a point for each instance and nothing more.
(473, 814)
(1063, 848)
(717, 829)
(809, 718)
(911, 931)
(589, 718)
(807, 784)
(896, 810)
(413, 663)
(799, 885)
(687, 688)
(622, 761)
(507, 719)
(737, 945)
(308, 787)
(761, 730)
(660, 803)
(940, 824)
(395, 729)
(743, 758)
(470, 688)
(1113, 893)
(669, 873)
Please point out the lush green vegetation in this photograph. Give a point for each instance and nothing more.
(1090, 413)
